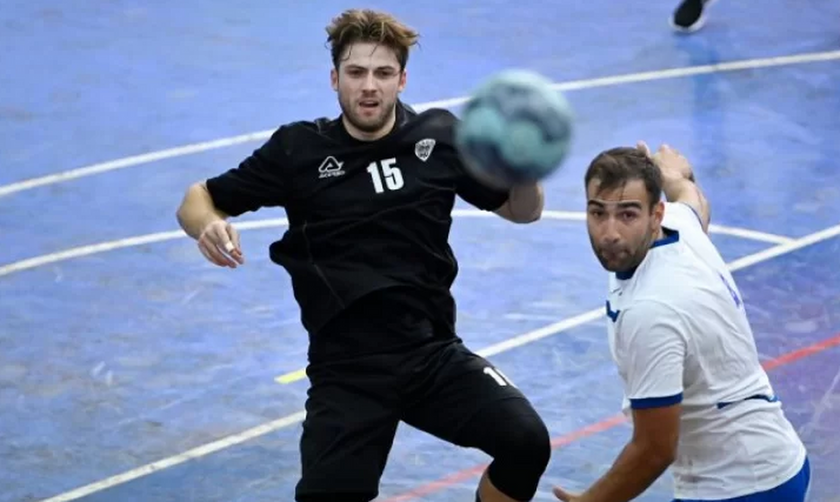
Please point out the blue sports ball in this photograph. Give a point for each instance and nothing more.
(514, 129)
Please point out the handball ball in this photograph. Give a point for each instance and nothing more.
(514, 129)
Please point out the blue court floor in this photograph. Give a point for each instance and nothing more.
(133, 370)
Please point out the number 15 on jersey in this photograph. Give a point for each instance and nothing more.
(385, 170)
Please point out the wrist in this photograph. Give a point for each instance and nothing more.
(208, 220)
(197, 224)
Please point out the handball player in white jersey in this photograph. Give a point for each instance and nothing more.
(699, 400)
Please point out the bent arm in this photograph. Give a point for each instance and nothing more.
(259, 181)
(197, 210)
(686, 191)
(525, 204)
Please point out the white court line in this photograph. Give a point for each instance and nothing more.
(551, 329)
(747, 64)
(102, 247)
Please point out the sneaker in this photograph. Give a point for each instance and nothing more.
(690, 16)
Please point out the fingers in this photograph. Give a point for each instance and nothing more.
(666, 148)
(234, 236)
(219, 243)
(227, 238)
(562, 495)
(663, 149)
(213, 254)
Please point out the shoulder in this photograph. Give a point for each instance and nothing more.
(307, 129)
(438, 119)
(681, 216)
(302, 137)
(436, 123)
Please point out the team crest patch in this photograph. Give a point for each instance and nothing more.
(423, 149)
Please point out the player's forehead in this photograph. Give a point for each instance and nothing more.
(369, 55)
(631, 193)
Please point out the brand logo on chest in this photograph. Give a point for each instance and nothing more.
(331, 168)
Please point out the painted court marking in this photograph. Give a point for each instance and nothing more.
(141, 240)
(136, 160)
(598, 427)
(267, 428)
(784, 244)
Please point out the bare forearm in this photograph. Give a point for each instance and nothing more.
(525, 203)
(633, 472)
(687, 192)
(197, 211)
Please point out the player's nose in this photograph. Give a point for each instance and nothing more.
(610, 233)
(369, 84)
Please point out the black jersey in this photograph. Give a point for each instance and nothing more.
(363, 215)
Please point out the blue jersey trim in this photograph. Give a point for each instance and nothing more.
(656, 402)
(671, 236)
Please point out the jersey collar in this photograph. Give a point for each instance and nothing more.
(671, 236)
(404, 112)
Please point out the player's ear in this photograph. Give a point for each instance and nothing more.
(403, 78)
(658, 213)
(334, 79)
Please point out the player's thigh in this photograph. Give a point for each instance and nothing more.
(468, 401)
(347, 437)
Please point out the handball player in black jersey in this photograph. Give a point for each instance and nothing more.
(369, 196)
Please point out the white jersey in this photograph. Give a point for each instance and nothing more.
(678, 333)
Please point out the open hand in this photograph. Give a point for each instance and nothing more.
(673, 165)
(219, 243)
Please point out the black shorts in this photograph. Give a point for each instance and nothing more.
(354, 407)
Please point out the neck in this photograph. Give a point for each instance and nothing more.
(660, 234)
(368, 135)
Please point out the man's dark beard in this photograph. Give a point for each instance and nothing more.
(635, 259)
(370, 128)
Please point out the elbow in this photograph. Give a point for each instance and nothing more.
(194, 192)
(180, 212)
(180, 216)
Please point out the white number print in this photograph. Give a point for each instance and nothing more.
(391, 173)
(498, 376)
